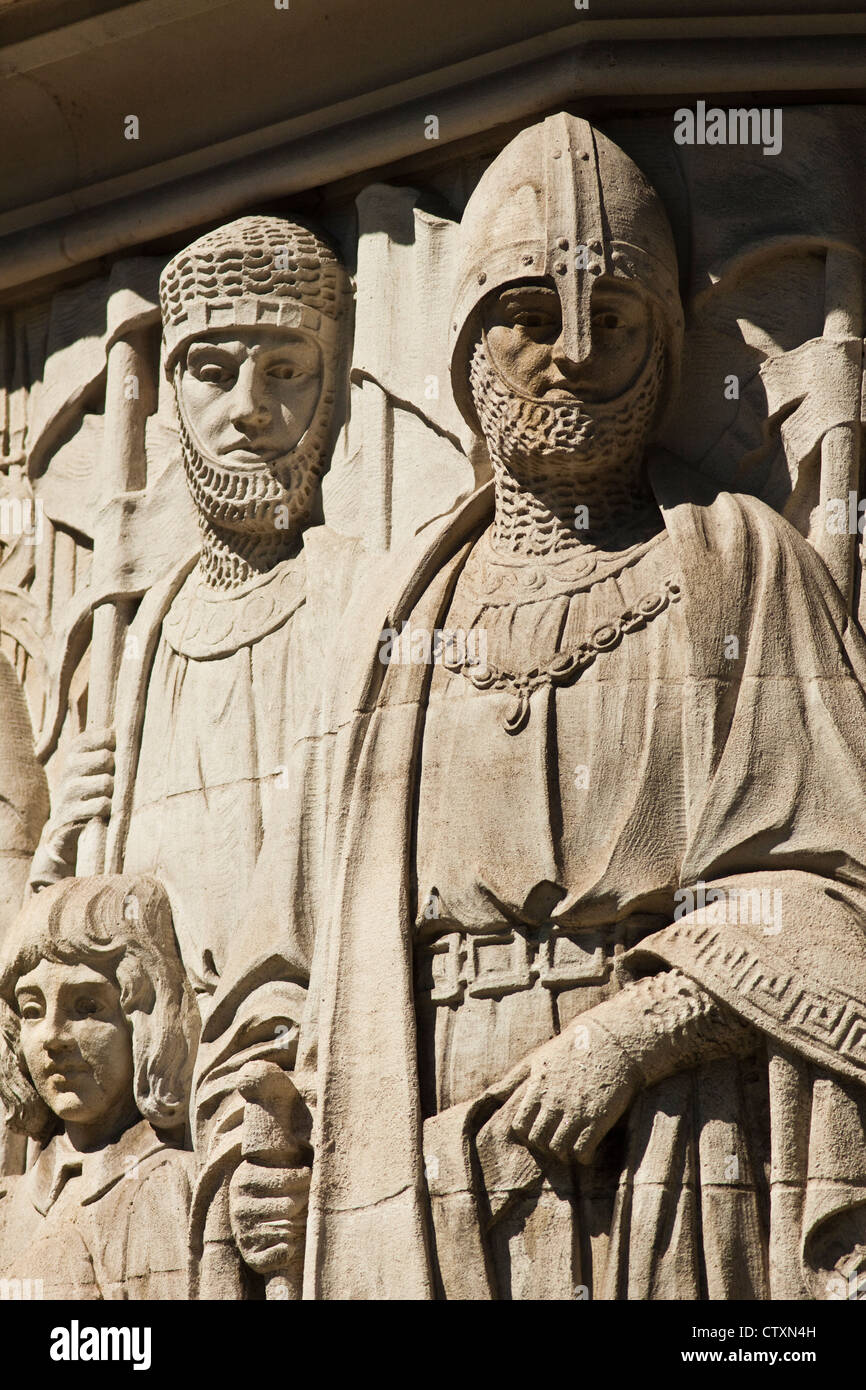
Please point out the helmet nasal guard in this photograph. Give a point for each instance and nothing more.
(562, 203)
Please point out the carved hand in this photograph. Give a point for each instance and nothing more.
(580, 1083)
(578, 1086)
(86, 789)
(268, 1210)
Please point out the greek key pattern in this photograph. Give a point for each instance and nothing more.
(822, 1016)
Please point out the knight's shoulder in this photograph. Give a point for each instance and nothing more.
(680, 487)
(762, 527)
(758, 515)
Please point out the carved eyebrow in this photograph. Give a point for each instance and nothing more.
(29, 994)
(525, 291)
(293, 347)
(625, 292)
(221, 349)
(88, 982)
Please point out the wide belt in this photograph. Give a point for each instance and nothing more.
(489, 965)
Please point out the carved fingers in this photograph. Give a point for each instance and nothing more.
(88, 780)
(87, 784)
(86, 791)
(268, 1209)
(573, 1095)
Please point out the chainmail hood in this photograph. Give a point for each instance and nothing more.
(256, 271)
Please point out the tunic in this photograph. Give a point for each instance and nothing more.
(525, 910)
(111, 1224)
(583, 822)
(212, 767)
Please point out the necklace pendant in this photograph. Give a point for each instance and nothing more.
(517, 715)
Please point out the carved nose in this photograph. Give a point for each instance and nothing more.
(571, 353)
(573, 348)
(573, 362)
(57, 1043)
(247, 407)
(249, 412)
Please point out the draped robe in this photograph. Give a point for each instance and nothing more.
(215, 690)
(771, 758)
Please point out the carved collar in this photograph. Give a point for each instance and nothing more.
(58, 1162)
(495, 579)
(204, 623)
(565, 667)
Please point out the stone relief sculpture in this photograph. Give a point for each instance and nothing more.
(98, 1037)
(23, 795)
(24, 806)
(225, 648)
(519, 873)
(590, 968)
(253, 329)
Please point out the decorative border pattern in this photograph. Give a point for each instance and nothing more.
(820, 1015)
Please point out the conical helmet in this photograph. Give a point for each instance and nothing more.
(562, 202)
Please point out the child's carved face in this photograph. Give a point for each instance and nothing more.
(77, 1047)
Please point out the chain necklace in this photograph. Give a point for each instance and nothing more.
(564, 667)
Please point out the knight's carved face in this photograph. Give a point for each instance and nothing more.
(77, 1045)
(551, 391)
(249, 394)
(540, 355)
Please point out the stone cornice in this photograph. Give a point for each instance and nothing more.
(219, 148)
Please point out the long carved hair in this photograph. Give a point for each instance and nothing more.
(121, 925)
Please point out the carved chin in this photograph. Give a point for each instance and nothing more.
(253, 498)
(73, 1100)
(566, 432)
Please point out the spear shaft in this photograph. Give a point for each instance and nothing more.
(840, 447)
(128, 392)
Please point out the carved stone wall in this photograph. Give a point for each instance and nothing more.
(432, 660)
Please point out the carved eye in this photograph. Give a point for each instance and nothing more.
(213, 374)
(608, 320)
(30, 1011)
(286, 371)
(533, 320)
(86, 1006)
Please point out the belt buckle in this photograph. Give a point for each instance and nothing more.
(564, 961)
(448, 983)
(498, 963)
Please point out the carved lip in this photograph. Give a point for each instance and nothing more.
(562, 393)
(74, 1072)
(247, 454)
